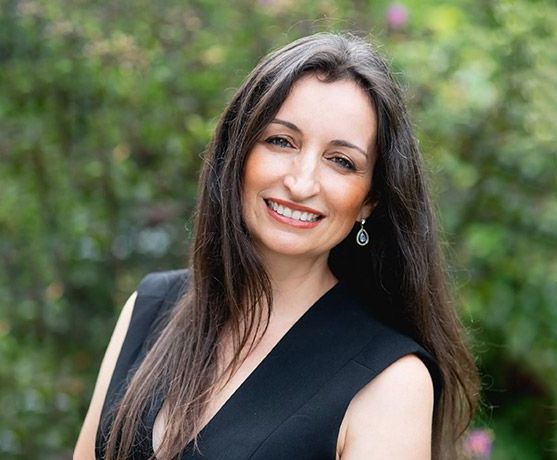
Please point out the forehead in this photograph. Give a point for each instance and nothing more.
(338, 109)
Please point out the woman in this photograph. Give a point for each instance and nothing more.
(315, 320)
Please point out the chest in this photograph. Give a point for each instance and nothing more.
(289, 396)
(231, 380)
(270, 418)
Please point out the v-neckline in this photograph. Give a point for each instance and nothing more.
(252, 375)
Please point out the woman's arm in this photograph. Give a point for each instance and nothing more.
(391, 416)
(85, 447)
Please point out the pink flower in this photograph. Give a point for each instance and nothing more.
(396, 16)
(478, 444)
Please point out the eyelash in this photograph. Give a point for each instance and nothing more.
(344, 163)
(279, 142)
(283, 142)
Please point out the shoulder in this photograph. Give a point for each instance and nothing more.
(405, 384)
(85, 447)
(391, 416)
(158, 284)
(157, 294)
(137, 315)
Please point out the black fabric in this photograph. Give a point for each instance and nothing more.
(292, 404)
(156, 295)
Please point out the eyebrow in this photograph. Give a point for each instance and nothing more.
(337, 142)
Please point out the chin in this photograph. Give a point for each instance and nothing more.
(284, 248)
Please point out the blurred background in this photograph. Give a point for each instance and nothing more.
(106, 109)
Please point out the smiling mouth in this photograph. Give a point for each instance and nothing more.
(295, 214)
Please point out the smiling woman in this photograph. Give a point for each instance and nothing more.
(314, 322)
(306, 180)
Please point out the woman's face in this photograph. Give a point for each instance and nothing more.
(307, 178)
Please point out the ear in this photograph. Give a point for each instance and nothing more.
(366, 210)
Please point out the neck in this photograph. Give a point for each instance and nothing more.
(297, 283)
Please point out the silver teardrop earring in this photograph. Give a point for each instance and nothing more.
(362, 237)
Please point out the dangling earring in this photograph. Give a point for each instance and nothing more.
(362, 237)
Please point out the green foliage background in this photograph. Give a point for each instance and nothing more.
(106, 108)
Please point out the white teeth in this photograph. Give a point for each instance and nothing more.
(291, 213)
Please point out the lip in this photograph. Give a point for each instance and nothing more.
(293, 222)
(296, 207)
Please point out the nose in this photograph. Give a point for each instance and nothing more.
(302, 180)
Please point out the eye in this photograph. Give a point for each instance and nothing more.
(279, 141)
(343, 162)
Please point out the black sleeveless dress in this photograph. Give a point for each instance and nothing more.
(291, 406)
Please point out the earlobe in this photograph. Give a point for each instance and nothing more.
(367, 210)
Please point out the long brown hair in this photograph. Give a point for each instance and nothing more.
(403, 268)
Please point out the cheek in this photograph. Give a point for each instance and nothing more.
(257, 178)
(251, 183)
(350, 198)
(252, 172)
(260, 171)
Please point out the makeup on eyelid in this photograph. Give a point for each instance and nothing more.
(334, 142)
